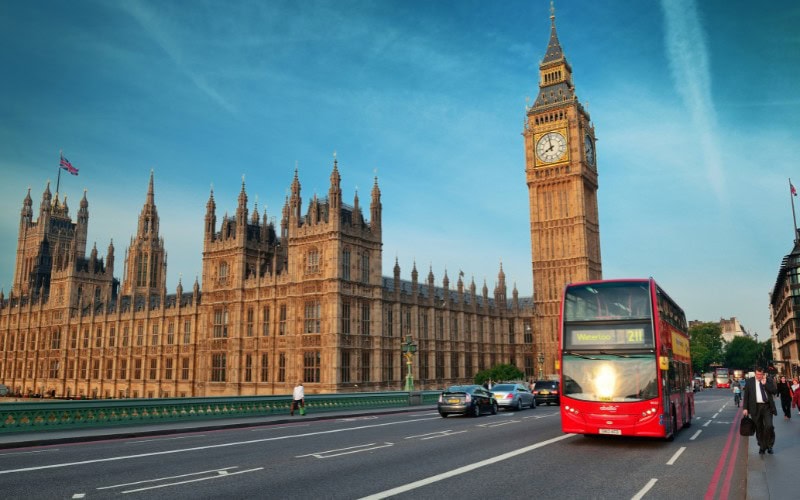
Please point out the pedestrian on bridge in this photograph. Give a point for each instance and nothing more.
(298, 398)
(786, 397)
(759, 403)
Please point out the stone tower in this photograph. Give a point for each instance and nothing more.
(561, 174)
(146, 261)
(39, 239)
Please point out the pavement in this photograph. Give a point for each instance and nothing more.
(773, 476)
(768, 476)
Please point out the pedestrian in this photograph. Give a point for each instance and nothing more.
(786, 394)
(298, 398)
(759, 404)
(796, 393)
(737, 393)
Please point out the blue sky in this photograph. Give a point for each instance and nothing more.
(695, 106)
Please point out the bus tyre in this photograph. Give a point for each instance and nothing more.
(671, 437)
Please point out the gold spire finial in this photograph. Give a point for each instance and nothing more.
(552, 11)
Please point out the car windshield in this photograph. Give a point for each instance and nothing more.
(461, 388)
(503, 387)
(544, 385)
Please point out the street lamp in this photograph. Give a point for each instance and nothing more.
(541, 363)
(409, 348)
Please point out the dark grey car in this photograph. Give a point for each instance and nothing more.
(472, 400)
(547, 391)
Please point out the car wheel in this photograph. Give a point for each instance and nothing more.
(444, 415)
(494, 408)
(476, 410)
(519, 405)
(533, 404)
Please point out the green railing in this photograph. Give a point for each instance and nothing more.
(54, 415)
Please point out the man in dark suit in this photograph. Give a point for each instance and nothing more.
(759, 403)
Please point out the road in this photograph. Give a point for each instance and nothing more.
(403, 455)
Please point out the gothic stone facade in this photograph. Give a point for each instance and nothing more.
(305, 301)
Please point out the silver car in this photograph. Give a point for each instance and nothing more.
(513, 396)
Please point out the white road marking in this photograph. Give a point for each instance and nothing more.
(694, 436)
(498, 424)
(706, 424)
(346, 451)
(676, 455)
(123, 485)
(715, 415)
(193, 480)
(463, 470)
(355, 419)
(208, 447)
(271, 428)
(644, 490)
(163, 439)
(79, 495)
(27, 452)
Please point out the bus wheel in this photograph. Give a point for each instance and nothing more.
(671, 437)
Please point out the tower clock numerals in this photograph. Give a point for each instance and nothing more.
(588, 147)
(551, 147)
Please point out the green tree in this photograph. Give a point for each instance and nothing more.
(742, 353)
(705, 341)
(499, 373)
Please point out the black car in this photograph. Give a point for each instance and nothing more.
(547, 391)
(472, 400)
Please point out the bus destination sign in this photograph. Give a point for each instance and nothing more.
(627, 337)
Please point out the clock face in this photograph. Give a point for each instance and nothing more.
(588, 147)
(551, 147)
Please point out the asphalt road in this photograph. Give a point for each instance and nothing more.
(405, 455)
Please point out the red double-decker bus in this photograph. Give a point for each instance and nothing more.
(722, 377)
(624, 360)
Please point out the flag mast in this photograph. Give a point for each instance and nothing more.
(792, 194)
(61, 155)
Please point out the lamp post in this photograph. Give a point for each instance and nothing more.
(541, 364)
(409, 348)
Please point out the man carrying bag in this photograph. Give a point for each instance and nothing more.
(759, 404)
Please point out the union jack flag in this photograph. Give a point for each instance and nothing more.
(66, 165)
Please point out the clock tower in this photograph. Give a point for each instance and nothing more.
(561, 173)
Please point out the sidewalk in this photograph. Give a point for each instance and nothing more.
(73, 435)
(775, 476)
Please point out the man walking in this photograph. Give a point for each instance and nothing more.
(759, 403)
(298, 398)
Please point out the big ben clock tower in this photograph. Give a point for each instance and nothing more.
(561, 173)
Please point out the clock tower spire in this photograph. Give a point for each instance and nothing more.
(561, 174)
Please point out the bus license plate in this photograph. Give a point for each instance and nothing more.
(614, 432)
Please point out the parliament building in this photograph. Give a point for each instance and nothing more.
(302, 301)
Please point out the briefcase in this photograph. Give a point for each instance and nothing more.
(747, 427)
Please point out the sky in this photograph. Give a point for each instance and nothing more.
(694, 104)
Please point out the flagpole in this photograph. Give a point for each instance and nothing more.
(792, 194)
(58, 181)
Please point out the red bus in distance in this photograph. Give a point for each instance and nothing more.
(722, 378)
(625, 364)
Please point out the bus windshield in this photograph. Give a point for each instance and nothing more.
(609, 377)
(609, 300)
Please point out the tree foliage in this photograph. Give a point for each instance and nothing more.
(705, 341)
(499, 373)
(742, 353)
